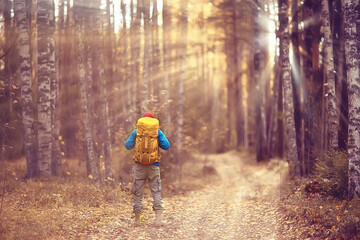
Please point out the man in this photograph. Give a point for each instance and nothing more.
(147, 138)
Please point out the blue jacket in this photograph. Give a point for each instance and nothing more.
(163, 142)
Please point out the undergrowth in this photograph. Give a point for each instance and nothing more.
(332, 173)
(66, 207)
(319, 215)
(56, 208)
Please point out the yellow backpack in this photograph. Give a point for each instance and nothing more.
(146, 143)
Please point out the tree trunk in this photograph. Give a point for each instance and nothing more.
(55, 89)
(135, 55)
(280, 119)
(46, 70)
(351, 17)
(316, 89)
(307, 68)
(127, 80)
(238, 76)
(182, 77)
(333, 123)
(261, 79)
(292, 156)
(230, 84)
(166, 64)
(154, 96)
(26, 90)
(109, 46)
(297, 81)
(9, 50)
(147, 56)
(274, 112)
(104, 112)
(86, 113)
(340, 74)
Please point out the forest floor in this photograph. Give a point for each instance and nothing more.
(224, 196)
(236, 200)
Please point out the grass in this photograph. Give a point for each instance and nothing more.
(319, 215)
(56, 208)
(67, 207)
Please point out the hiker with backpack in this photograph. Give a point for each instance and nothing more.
(147, 138)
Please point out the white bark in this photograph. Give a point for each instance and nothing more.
(351, 15)
(292, 155)
(46, 70)
(26, 90)
(333, 124)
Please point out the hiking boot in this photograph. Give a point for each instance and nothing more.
(137, 218)
(158, 217)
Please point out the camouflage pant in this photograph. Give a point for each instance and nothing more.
(141, 173)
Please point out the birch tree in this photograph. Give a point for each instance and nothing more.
(166, 64)
(26, 90)
(292, 155)
(351, 16)
(9, 48)
(155, 54)
(182, 75)
(127, 81)
(296, 78)
(135, 55)
(147, 53)
(86, 111)
(333, 124)
(104, 108)
(46, 70)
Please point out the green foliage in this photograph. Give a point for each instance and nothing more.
(332, 172)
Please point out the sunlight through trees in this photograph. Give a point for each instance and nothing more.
(277, 78)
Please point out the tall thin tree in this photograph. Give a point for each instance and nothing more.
(333, 123)
(145, 84)
(46, 73)
(351, 16)
(182, 77)
(84, 88)
(166, 64)
(292, 155)
(26, 83)
(104, 106)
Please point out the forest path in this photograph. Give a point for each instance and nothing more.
(238, 201)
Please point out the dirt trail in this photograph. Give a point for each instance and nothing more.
(238, 201)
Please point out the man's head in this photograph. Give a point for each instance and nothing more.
(148, 114)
